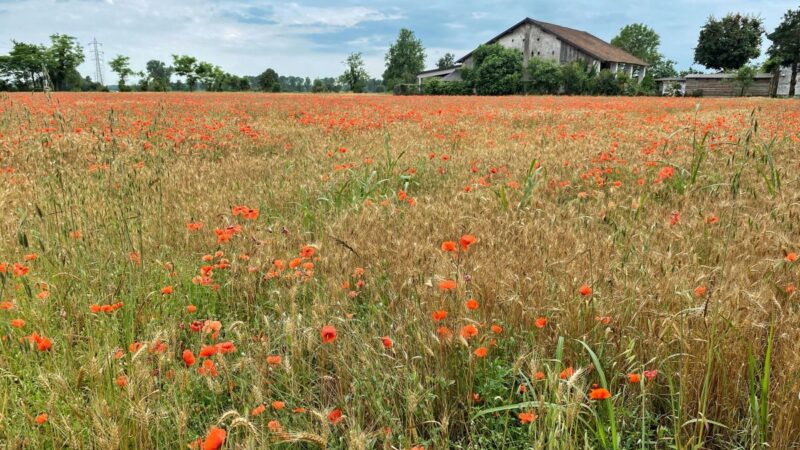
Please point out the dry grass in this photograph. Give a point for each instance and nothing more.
(128, 172)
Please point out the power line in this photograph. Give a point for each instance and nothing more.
(98, 67)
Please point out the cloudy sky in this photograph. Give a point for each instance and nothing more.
(313, 37)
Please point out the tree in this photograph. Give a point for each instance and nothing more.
(355, 75)
(158, 75)
(121, 65)
(640, 41)
(186, 66)
(24, 65)
(269, 81)
(63, 57)
(447, 61)
(729, 43)
(404, 60)
(496, 70)
(786, 44)
(545, 76)
(744, 78)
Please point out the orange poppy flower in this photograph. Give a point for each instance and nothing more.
(469, 331)
(307, 251)
(539, 376)
(214, 439)
(17, 323)
(497, 329)
(328, 334)
(600, 394)
(481, 352)
(167, 290)
(566, 373)
(274, 360)
(472, 304)
(447, 285)
(188, 358)
(41, 418)
(791, 257)
(541, 322)
(278, 405)
(467, 240)
(335, 416)
(208, 350)
(634, 378)
(439, 315)
(700, 291)
(449, 246)
(258, 410)
(121, 381)
(527, 417)
(585, 290)
(387, 342)
(191, 309)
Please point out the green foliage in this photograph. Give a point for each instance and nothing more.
(496, 71)
(158, 75)
(185, 66)
(405, 89)
(608, 83)
(64, 56)
(744, 78)
(438, 87)
(355, 75)
(640, 41)
(786, 44)
(121, 65)
(269, 81)
(545, 77)
(729, 43)
(404, 60)
(447, 61)
(576, 77)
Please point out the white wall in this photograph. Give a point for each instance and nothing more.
(783, 83)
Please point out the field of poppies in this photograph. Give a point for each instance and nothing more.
(340, 271)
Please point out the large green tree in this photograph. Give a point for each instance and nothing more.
(729, 43)
(785, 46)
(121, 65)
(643, 42)
(158, 75)
(355, 75)
(64, 56)
(640, 41)
(186, 66)
(24, 64)
(269, 81)
(404, 60)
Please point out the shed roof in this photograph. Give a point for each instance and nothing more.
(583, 41)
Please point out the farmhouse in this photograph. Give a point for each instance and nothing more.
(723, 85)
(537, 39)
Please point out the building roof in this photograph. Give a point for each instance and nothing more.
(438, 72)
(583, 41)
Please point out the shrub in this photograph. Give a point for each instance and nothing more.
(545, 77)
(497, 70)
(576, 77)
(438, 87)
(405, 89)
(608, 83)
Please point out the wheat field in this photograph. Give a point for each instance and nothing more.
(351, 271)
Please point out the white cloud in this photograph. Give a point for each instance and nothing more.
(295, 14)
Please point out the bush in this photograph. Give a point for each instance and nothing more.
(438, 87)
(576, 77)
(607, 83)
(545, 77)
(405, 89)
(496, 71)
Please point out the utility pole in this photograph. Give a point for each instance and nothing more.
(97, 53)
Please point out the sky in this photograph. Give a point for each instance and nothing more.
(313, 37)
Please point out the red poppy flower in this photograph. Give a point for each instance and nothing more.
(328, 334)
